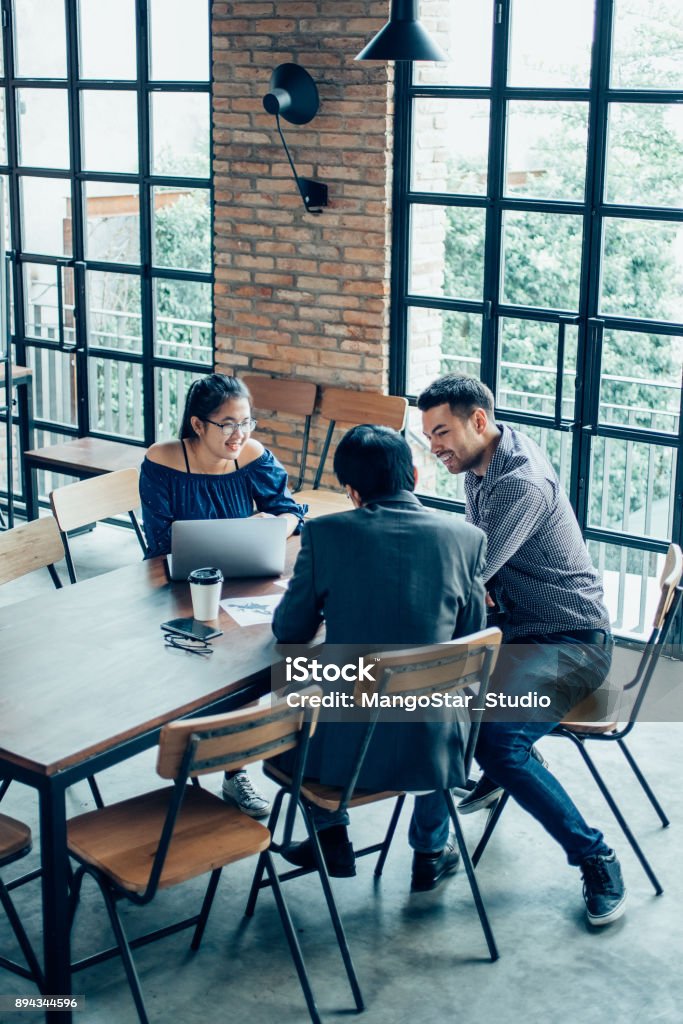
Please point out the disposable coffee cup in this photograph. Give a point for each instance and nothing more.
(205, 588)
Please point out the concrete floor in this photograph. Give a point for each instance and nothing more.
(421, 958)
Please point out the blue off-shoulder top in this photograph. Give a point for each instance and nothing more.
(168, 494)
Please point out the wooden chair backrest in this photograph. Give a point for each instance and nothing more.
(234, 739)
(433, 668)
(348, 407)
(669, 580)
(296, 397)
(86, 501)
(29, 546)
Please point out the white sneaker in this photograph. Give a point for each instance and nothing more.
(241, 792)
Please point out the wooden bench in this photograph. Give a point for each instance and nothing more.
(83, 457)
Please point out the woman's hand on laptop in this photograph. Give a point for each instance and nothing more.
(263, 515)
(292, 521)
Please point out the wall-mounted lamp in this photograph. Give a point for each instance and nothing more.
(293, 95)
(402, 38)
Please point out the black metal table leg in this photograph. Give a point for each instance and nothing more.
(55, 860)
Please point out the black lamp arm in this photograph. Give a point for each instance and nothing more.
(313, 193)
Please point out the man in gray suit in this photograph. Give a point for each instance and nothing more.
(388, 572)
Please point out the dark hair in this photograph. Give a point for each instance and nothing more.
(462, 393)
(206, 395)
(375, 461)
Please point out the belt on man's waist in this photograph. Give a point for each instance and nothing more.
(586, 636)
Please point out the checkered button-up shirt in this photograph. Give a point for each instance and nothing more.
(537, 566)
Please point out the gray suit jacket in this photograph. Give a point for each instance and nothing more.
(390, 573)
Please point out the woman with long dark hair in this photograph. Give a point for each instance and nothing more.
(216, 470)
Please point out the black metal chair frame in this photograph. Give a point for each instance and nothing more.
(641, 681)
(33, 972)
(113, 894)
(68, 557)
(346, 795)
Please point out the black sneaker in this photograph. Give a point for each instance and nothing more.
(430, 868)
(337, 850)
(603, 889)
(486, 791)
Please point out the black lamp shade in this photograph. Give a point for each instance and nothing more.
(292, 94)
(402, 38)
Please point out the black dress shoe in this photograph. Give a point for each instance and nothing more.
(337, 851)
(430, 868)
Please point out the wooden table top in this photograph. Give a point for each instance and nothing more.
(92, 455)
(20, 374)
(85, 668)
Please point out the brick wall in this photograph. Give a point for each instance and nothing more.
(296, 294)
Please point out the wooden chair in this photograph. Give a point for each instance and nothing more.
(15, 843)
(135, 848)
(292, 397)
(421, 671)
(348, 408)
(77, 505)
(580, 730)
(34, 545)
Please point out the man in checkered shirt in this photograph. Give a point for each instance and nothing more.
(555, 625)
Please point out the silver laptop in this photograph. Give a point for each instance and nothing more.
(238, 547)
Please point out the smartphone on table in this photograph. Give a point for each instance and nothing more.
(192, 628)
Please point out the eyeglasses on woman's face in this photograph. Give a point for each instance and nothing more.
(230, 427)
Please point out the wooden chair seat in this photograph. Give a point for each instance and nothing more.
(15, 838)
(327, 797)
(121, 840)
(590, 728)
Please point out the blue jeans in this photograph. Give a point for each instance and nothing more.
(570, 669)
(429, 824)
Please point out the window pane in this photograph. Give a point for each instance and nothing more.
(54, 385)
(46, 215)
(550, 43)
(179, 40)
(646, 47)
(49, 481)
(43, 127)
(631, 582)
(546, 149)
(642, 269)
(115, 390)
(3, 129)
(110, 131)
(432, 478)
(527, 373)
(542, 259)
(556, 445)
(180, 133)
(112, 216)
(41, 302)
(464, 31)
(183, 328)
(450, 145)
(632, 487)
(640, 385)
(107, 39)
(645, 154)
(171, 388)
(114, 313)
(447, 251)
(441, 341)
(39, 39)
(182, 228)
